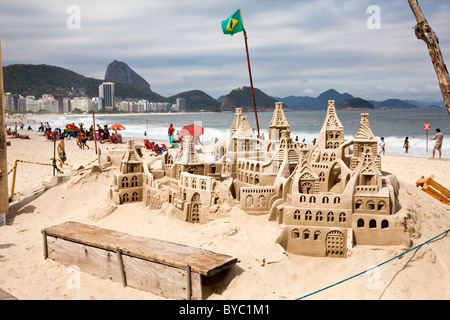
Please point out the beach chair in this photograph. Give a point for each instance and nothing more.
(8, 132)
(147, 144)
(111, 139)
(434, 189)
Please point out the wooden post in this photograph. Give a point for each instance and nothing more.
(251, 81)
(122, 269)
(54, 155)
(188, 283)
(13, 181)
(424, 32)
(4, 199)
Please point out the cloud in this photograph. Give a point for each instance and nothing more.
(178, 45)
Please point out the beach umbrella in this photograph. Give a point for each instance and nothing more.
(116, 127)
(193, 130)
(71, 125)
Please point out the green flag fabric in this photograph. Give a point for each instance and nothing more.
(233, 24)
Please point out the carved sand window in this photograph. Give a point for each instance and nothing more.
(134, 197)
(124, 182)
(322, 177)
(342, 217)
(303, 199)
(249, 201)
(384, 224)
(297, 215)
(305, 234)
(319, 216)
(125, 198)
(134, 181)
(306, 187)
(295, 234)
(372, 224)
(370, 205)
(360, 223)
(330, 217)
(381, 205)
(262, 201)
(359, 204)
(317, 235)
(308, 216)
(325, 200)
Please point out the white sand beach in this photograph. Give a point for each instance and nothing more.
(263, 271)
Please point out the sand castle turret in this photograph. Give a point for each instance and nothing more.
(127, 184)
(364, 142)
(278, 122)
(331, 136)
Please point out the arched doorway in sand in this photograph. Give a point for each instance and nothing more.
(335, 244)
(194, 212)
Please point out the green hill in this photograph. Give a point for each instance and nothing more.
(356, 103)
(36, 80)
(242, 98)
(197, 100)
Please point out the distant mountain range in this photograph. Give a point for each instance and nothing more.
(347, 101)
(36, 80)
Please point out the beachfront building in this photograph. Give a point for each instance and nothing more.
(83, 104)
(106, 91)
(327, 197)
(180, 105)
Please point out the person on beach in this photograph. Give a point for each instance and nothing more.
(406, 145)
(170, 132)
(62, 151)
(84, 139)
(438, 144)
(382, 145)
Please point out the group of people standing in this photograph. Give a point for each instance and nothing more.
(439, 137)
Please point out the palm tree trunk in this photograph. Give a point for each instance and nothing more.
(4, 199)
(425, 32)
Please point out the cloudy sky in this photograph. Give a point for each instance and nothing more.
(299, 48)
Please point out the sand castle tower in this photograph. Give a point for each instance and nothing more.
(278, 123)
(331, 136)
(237, 120)
(364, 143)
(287, 157)
(127, 184)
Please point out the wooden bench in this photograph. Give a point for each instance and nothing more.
(164, 268)
(434, 189)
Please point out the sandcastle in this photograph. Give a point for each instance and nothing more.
(326, 197)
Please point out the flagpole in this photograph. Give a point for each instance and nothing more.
(251, 81)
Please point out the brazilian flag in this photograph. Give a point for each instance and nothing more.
(233, 24)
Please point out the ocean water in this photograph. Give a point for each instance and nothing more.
(393, 125)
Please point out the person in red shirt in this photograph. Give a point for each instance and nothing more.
(171, 131)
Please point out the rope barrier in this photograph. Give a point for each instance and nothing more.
(379, 265)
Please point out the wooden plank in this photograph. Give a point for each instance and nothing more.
(439, 188)
(202, 261)
(435, 194)
(150, 276)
